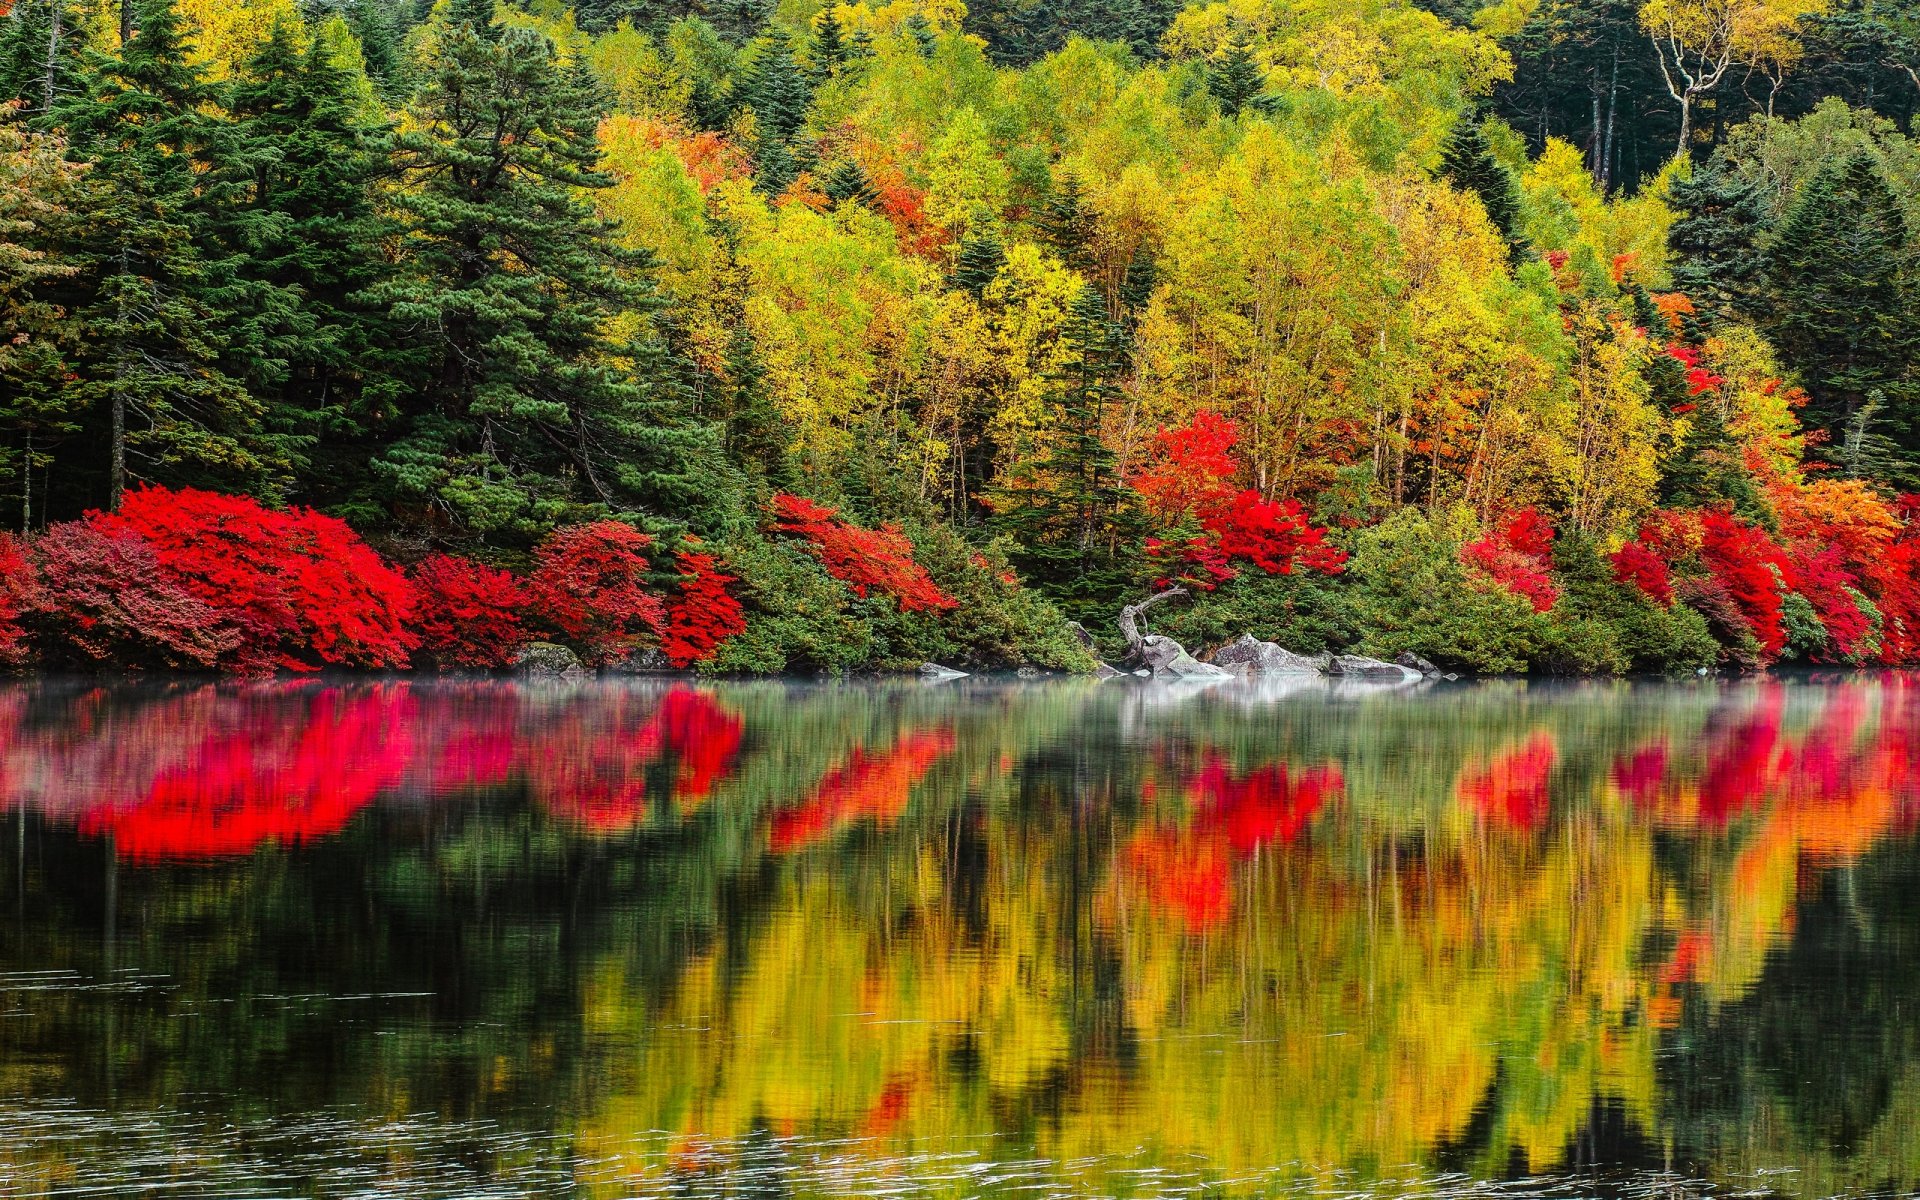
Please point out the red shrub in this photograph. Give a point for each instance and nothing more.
(1190, 469)
(1273, 535)
(19, 590)
(1637, 564)
(590, 583)
(306, 590)
(108, 601)
(703, 613)
(1752, 568)
(863, 559)
(1820, 574)
(1517, 555)
(468, 614)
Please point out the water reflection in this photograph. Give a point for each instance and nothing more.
(612, 939)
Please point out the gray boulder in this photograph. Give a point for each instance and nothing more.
(1251, 656)
(1168, 659)
(641, 662)
(939, 674)
(1371, 670)
(548, 660)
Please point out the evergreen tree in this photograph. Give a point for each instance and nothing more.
(1066, 508)
(42, 44)
(1136, 285)
(147, 374)
(1236, 78)
(302, 223)
(847, 183)
(978, 263)
(777, 92)
(829, 46)
(1837, 306)
(1468, 163)
(1068, 226)
(1715, 239)
(526, 412)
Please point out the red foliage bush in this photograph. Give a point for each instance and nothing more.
(107, 600)
(1753, 569)
(703, 613)
(863, 559)
(590, 583)
(1637, 564)
(1517, 555)
(19, 590)
(1190, 469)
(1820, 574)
(468, 614)
(304, 588)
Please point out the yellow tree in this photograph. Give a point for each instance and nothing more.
(1698, 41)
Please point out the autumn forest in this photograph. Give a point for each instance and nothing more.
(761, 336)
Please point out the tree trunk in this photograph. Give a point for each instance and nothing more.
(54, 32)
(126, 22)
(1131, 614)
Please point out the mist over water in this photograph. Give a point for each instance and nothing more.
(484, 938)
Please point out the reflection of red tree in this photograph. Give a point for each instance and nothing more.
(268, 782)
(591, 767)
(1514, 786)
(1188, 870)
(864, 786)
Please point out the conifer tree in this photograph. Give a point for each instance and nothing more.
(42, 43)
(1468, 163)
(829, 46)
(1715, 239)
(526, 412)
(847, 183)
(147, 374)
(978, 263)
(1236, 78)
(777, 92)
(1837, 305)
(1065, 507)
(1068, 226)
(302, 223)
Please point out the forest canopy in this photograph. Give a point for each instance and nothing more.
(1599, 318)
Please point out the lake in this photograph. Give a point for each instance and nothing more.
(386, 938)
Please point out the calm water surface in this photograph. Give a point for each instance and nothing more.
(644, 939)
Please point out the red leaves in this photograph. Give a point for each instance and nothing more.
(18, 590)
(863, 559)
(1699, 378)
(109, 602)
(468, 614)
(1638, 565)
(703, 613)
(1517, 555)
(590, 583)
(301, 588)
(1820, 574)
(1752, 568)
(1190, 469)
(1273, 535)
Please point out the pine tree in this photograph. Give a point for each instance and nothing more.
(42, 46)
(778, 93)
(1468, 163)
(1236, 78)
(526, 412)
(1837, 306)
(1065, 507)
(847, 183)
(1715, 240)
(302, 225)
(1067, 226)
(829, 46)
(147, 374)
(978, 263)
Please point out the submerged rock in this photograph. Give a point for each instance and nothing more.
(934, 671)
(1107, 671)
(1372, 670)
(1251, 656)
(548, 660)
(1413, 662)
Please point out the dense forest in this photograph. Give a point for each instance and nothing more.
(1553, 335)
